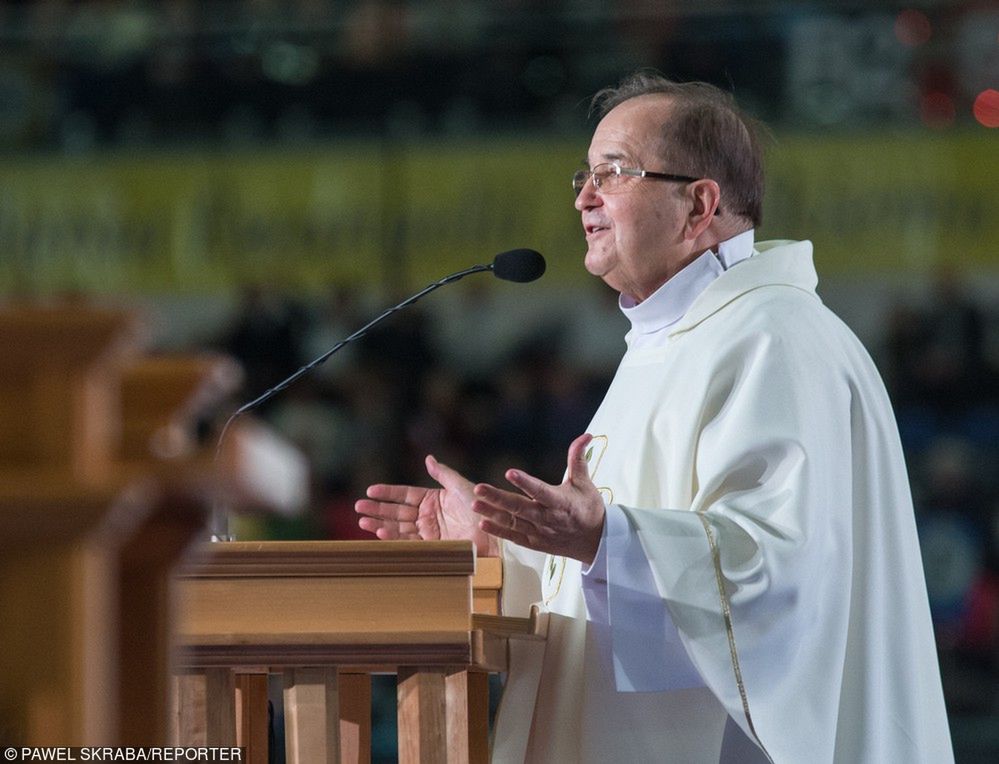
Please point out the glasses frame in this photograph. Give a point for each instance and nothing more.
(580, 177)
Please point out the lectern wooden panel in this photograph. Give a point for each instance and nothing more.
(326, 613)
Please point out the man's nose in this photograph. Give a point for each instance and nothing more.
(587, 196)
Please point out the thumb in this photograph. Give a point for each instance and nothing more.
(578, 471)
(444, 475)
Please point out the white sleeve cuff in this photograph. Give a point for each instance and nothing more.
(595, 574)
(647, 651)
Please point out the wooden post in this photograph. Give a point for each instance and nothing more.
(423, 716)
(220, 707)
(468, 715)
(312, 716)
(355, 718)
(252, 717)
(189, 728)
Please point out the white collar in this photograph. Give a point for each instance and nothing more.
(736, 249)
(670, 302)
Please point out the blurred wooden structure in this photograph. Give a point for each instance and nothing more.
(326, 615)
(102, 487)
(105, 487)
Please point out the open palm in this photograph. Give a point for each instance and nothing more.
(411, 512)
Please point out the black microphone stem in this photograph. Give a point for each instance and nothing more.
(356, 335)
(220, 517)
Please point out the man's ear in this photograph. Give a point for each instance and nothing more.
(705, 198)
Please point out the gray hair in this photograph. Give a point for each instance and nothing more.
(706, 136)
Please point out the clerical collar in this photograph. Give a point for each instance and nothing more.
(670, 302)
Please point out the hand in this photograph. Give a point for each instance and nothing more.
(409, 512)
(566, 519)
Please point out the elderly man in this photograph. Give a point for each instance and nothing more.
(730, 564)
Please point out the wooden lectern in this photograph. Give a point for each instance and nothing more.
(326, 615)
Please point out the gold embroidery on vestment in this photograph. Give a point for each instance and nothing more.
(598, 445)
(729, 629)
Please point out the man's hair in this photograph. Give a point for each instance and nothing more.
(706, 136)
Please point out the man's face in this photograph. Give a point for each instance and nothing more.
(634, 232)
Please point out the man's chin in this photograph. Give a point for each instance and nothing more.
(595, 265)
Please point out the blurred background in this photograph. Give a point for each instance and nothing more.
(262, 178)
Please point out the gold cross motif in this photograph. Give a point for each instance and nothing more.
(555, 566)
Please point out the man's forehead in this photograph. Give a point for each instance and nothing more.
(632, 126)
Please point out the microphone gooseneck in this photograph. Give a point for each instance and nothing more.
(520, 265)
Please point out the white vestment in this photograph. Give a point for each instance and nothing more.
(759, 591)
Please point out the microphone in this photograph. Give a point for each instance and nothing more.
(521, 265)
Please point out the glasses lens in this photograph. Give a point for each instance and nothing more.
(605, 175)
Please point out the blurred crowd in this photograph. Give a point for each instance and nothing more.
(79, 75)
(940, 362)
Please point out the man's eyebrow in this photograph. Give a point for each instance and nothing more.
(614, 156)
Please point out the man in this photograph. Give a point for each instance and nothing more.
(730, 565)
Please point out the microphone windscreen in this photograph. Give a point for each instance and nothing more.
(519, 265)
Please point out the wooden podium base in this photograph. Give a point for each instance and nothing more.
(338, 612)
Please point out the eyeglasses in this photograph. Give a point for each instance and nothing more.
(607, 176)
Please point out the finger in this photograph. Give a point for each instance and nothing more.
(495, 513)
(388, 530)
(577, 467)
(516, 526)
(386, 510)
(505, 532)
(399, 494)
(532, 487)
(396, 535)
(492, 499)
(371, 525)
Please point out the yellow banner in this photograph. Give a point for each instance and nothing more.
(406, 215)
(880, 203)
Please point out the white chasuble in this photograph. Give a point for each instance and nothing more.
(759, 592)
